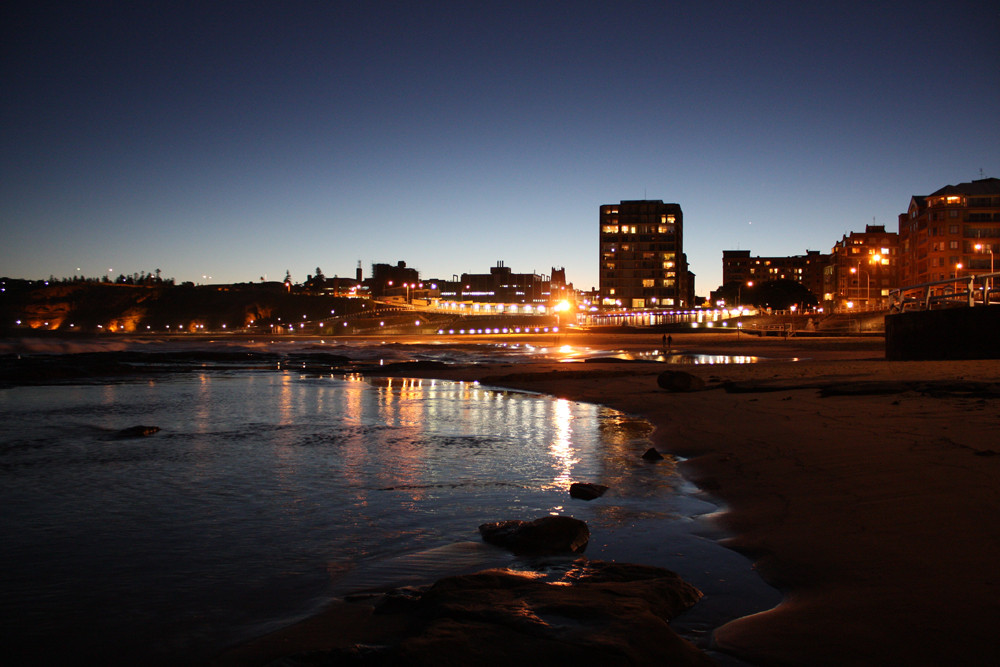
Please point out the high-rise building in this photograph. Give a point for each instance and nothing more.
(950, 233)
(642, 256)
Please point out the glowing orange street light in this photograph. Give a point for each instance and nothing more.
(868, 284)
(979, 248)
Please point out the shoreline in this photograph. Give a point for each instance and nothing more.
(865, 490)
(874, 513)
(872, 509)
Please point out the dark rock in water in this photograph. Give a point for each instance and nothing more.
(137, 431)
(548, 535)
(598, 613)
(652, 455)
(318, 358)
(679, 381)
(586, 490)
(423, 364)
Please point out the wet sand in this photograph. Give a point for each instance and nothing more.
(867, 491)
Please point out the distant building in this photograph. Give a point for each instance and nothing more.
(500, 285)
(559, 289)
(863, 267)
(642, 256)
(940, 232)
(739, 267)
(386, 277)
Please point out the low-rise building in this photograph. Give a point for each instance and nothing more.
(862, 268)
(740, 268)
(502, 286)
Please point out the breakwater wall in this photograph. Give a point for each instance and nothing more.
(952, 333)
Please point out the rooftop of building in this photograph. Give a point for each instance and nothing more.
(983, 186)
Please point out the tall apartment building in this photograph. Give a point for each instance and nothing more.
(739, 267)
(951, 232)
(863, 267)
(642, 256)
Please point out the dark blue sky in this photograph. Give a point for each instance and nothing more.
(241, 139)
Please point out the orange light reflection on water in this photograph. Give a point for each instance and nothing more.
(561, 448)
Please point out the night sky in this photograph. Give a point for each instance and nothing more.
(242, 139)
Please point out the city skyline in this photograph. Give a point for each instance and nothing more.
(243, 140)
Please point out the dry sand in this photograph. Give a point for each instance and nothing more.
(877, 514)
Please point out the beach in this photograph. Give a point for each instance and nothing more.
(865, 490)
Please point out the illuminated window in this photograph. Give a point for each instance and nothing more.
(648, 282)
(662, 229)
(670, 218)
(610, 229)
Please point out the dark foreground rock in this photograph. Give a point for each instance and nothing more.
(679, 381)
(586, 490)
(547, 535)
(597, 613)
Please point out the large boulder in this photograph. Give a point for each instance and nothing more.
(679, 381)
(596, 613)
(547, 535)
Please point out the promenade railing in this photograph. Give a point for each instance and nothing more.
(959, 291)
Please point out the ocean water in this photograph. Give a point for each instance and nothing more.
(270, 490)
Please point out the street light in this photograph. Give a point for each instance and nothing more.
(979, 247)
(739, 293)
(868, 284)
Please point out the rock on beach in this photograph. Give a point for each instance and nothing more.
(679, 381)
(547, 535)
(596, 613)
(586, 490)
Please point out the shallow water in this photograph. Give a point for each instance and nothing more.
(267, 492)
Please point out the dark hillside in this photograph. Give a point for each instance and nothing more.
(93, 307)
